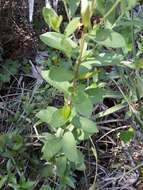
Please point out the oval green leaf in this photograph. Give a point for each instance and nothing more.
(60, 74)
(51, 147)
(85, 124)
(69, 147)
(83, 104)
(59, 41)
(72, 26)
(61, 86)
(46, 114)
(51, 18)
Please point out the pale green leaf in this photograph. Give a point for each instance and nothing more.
(51, 147)
(46, 114)
(83, 104)
(69, 147)
(109, 59)
(88, 125)
(85, 124)
(108, 38)
(61, 163)
(72, 26)
(80, 164)
(85, 13)
(47, 170)
(58, 119)
(115, 40)
(66, 111)
(61, 86)
(96, 94)
(59, 41)
(52, 19)
(60, 74)
(103, 60)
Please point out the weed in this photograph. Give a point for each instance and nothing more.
(84, 80)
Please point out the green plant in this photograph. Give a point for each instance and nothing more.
(12, 150)
(8, 69)
(83, 79)
(10, 181)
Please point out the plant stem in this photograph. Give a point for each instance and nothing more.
(118, 19)
(68, 15)
(130, 106)
(66, 9)
(96, 159)
(133, 37)
(112, 8)
(79, 60)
